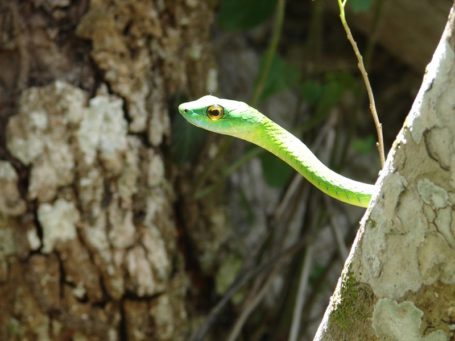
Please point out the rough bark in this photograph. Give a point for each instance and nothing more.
(88, 233)
(399, 281)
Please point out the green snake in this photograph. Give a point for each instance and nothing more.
(238, 119)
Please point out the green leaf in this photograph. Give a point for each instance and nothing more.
(360, 5)
(331, 94)
(327, 94)
(311, 90)
(364, 145)
(244, 14)
(276, 172)
(317, 271)
(322, 96)
(187, 140)
(281, 76)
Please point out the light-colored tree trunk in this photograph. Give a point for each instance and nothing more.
(399, 281)
(88, 232)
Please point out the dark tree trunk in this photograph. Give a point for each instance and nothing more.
(88, 233)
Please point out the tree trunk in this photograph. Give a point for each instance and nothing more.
(399, 281)
(88, 233)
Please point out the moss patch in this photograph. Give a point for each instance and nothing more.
(352, 310)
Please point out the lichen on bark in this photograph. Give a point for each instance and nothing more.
(93, 224)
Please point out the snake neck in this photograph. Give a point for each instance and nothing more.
(294, 152)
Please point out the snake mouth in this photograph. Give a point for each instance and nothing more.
(189, 115)
(183, 109)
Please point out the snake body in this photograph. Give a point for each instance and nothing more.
(238, 119)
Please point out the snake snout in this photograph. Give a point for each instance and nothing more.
(183, 109)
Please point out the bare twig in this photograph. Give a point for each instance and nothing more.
(233, 335)
(339, 239)
(303, 283)
(363, 71)
(241, 280)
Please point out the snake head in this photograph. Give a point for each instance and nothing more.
(222, 116)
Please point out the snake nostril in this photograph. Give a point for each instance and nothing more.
(185, 110)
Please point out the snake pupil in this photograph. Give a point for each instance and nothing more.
(215, 112)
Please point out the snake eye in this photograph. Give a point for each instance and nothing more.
(215, 112)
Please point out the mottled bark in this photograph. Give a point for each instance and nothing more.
(88, 232)
(399, 281)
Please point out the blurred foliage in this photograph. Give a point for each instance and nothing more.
(244, 14)
(282, 76)
(360, 5)
(324, 95)
(316, 272)
(276, 172)
(364, 145)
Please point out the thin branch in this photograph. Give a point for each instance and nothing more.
(303, 283)
(363, 71)
(241, 280)
(339, 239)
(234, 334)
